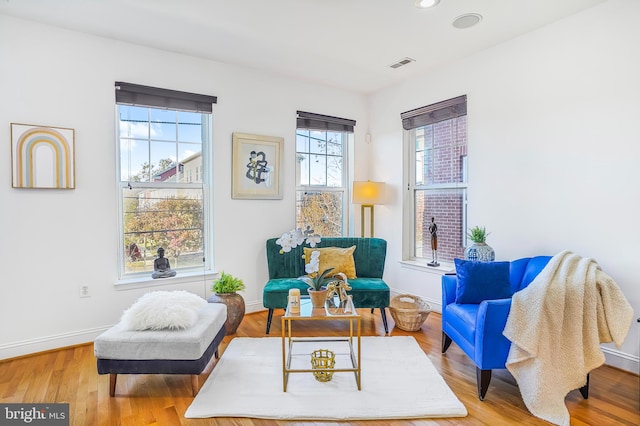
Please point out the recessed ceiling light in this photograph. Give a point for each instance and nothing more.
(424, 4)
(467, 20)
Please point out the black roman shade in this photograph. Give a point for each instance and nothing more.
(311, 121)
(434, 113)
(135, 94)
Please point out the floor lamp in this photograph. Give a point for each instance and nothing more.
(367, 194)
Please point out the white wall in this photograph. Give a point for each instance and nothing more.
(54, 241)
(553, 149)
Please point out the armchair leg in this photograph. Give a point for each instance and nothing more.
(383, 313)
(446, 341)
(585, 389)
(269, 318)
(483, 377)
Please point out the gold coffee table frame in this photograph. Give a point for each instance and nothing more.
(332, 311)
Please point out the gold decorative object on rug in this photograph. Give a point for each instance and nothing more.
(323, 358)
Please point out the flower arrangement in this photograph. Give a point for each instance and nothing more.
(314, 279)
(296, 237)
(478, 234)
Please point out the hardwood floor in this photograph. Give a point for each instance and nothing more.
(69, 375)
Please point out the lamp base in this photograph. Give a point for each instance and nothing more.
(362, 209)
(433, 264)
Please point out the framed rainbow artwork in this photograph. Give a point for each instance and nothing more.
(42, 157)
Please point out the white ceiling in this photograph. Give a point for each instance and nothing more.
(342, 43)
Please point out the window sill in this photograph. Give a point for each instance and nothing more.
(147, 281)
(421, 265)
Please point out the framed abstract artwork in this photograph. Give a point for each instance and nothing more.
(42, 157)
(256, 167)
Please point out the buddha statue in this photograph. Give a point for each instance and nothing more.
(161, 266)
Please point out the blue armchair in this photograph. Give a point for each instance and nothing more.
(477, 327)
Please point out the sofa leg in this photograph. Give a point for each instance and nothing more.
(483, 378)
(383, 313)
(269, 318)
(585, 389)
(446, 342)
(112, 384)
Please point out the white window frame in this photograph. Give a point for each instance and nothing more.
(328, 124)
(184, 274)
(409, 205)
(342, 189)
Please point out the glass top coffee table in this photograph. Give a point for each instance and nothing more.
(333, 310)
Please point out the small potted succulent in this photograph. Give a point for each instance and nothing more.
(225, 290)
(479, 251)
(478, 234)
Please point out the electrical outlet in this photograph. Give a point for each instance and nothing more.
(84, 291)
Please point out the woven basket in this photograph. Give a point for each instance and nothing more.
(409, 312)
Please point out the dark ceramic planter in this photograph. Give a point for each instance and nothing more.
(235, 309)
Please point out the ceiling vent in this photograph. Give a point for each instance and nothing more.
(402, 63)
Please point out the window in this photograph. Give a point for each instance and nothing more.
(321, 172)
(164, 138)
(436, 140)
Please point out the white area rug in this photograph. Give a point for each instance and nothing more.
(398, 381)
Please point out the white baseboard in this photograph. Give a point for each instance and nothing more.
(41, 344)
(621, 360)
(255, 306)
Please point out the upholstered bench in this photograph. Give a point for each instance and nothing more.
(368, 288)
(169, 351)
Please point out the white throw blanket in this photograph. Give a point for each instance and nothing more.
(556, 326)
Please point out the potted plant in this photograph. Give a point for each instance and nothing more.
(478, 234)
(316, 280)
(479, 251)
(225, 290)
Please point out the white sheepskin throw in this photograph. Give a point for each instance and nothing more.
(160, 310)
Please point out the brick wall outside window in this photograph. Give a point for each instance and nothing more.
(441, 150)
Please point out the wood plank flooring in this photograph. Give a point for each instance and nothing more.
(69, 375)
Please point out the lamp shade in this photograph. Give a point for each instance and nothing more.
(368, 193)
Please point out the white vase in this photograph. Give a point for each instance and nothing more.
(480, 252)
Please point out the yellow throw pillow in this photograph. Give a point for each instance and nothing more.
(338, 258)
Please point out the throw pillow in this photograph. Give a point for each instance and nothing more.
(478, 281)
(160, 310)
(338, 258)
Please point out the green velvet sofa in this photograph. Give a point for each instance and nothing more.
(368, 289)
